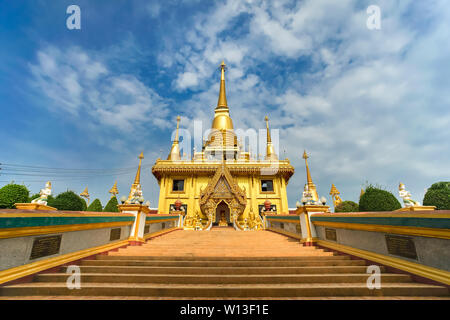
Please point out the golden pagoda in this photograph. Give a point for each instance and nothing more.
(222, 181)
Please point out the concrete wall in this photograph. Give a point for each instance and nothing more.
(432, 252)
(16, 251)
(155, 227)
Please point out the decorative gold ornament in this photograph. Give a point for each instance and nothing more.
(114, 191)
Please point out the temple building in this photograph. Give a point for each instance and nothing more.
(223, 184)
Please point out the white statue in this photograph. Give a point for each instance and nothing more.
(307, 195)
(44, 193)
(406, 196)
(136, 195)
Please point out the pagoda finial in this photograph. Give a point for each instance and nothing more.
(270, 152)
(175, 151)
(222, 95)
(114, 190)
(137, 179)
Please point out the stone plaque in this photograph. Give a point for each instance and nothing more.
(330, 234)
(281, 225)
(146, 228)
(115, 234)
(298, 228)
(401, 246)
(163, 225)
(45, 246)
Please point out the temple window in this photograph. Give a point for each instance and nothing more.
(267, 185)
(178, 185)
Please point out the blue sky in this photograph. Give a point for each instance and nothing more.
(368, 105)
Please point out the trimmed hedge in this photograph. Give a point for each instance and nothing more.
(13, 193)
(375, 199)
(347, 206)
(111, 206)
(438, 195)
(68, 200)
(95, 206)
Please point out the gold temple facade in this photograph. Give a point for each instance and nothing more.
(222, 184)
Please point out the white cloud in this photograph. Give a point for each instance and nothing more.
(84, 86)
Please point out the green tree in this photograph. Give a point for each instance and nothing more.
(13, 193)
(347, 206)
(68, 200)
(95, 206)
(111, 206)
(84, 205)
(438, 195)
(377, 199)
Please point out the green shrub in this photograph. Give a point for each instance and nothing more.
(13, 193)
(84, 205)
(443, 185)
(438, 195)
(95, 206)
(68, 200)
(347, 206)
(111, 206)
(376, 199)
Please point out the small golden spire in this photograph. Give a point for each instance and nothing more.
(114, 191)
(137, 179)
(175, 150)
(270, 151)
(362, 192)
(311, 185)
(308, 174)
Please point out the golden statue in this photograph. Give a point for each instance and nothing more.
(334, 193)
(223, 221)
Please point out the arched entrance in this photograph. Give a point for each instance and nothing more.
(223, 193)
(223, 218)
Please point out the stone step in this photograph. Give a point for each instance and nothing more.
(222, 279)
(223, 270)
(221, 258)
(224, 263)
(224, 290)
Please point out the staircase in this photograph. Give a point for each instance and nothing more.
(222, 264)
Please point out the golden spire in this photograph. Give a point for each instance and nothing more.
(222, 120)
(114, 190)
(137, 179)
(311, 185)
(270, 152)
(222, 94)
(175, 151)
(362, 192)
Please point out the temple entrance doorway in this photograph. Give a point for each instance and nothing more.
(222, 215)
